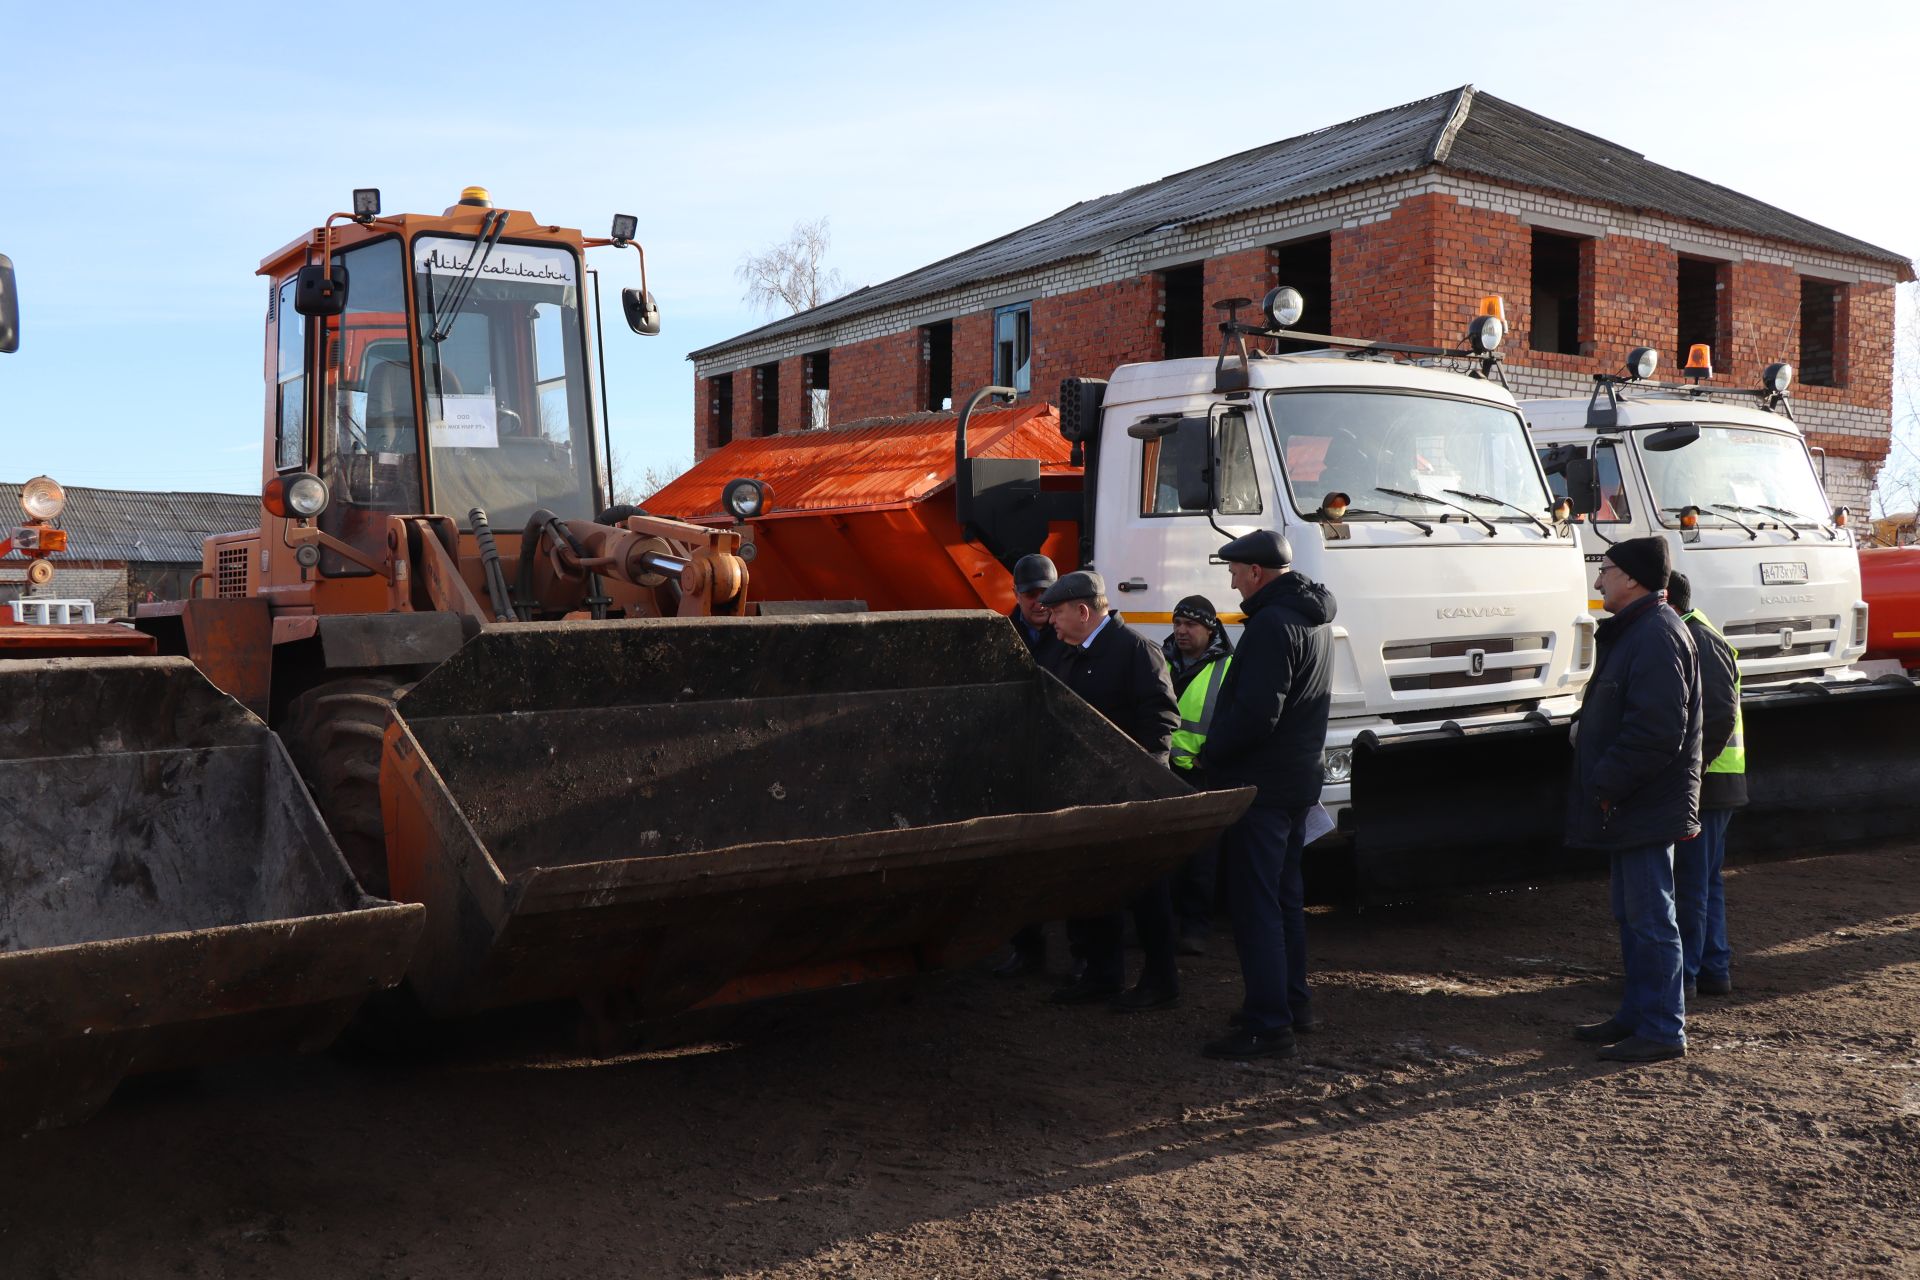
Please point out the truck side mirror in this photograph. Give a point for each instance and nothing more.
(1583, 484)
(318, 292)
(1667, 439)
(9, 307)
(1193, 453)
(643, 313)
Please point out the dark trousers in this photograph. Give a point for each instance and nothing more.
(1102, 939)
(1702, 899)
(1652, 1002)
(1260, 861)
(1194, 888)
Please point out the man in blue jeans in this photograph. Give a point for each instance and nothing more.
(1702, 902)
(1636, 790)
(1269, 730)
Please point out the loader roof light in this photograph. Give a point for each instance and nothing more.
(1284, 306)
(625, 228)
(478, 197)
(300, 496)
(745, 498)
(1486, 333)
(1777, 378)
(1642, 363)
(1699, 361)
(366, 204)
(42, 498)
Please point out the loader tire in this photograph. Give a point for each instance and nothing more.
(333, 731)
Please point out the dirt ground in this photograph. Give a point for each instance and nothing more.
(1440, 1124)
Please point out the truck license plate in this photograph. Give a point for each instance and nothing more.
(1784, 571)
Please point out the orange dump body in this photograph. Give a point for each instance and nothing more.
(1890, 582)
(866, 511)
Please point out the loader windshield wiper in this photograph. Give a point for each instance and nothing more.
(1538, 523)
(1492, 530)
(457, 293)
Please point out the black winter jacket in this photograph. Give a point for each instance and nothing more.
(1719, 696)
(1123, 676)
(1636, 758)
(1039, 642)
(1270, 725)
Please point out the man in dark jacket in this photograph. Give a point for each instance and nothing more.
(1269, 731)
(1702, 903)
(1032, 575)
(1199, 655)
(1123, 676)
(1636, 790)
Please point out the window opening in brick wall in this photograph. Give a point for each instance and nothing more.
(1307, 265)
(1183, 312)
(1820, 332)
(815, 371)
(1703, 286)
(936, 357)
(1556, 292)
(720, 410)
(1013, 347)
(766, 390)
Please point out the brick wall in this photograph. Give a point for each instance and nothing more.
(1090, 333)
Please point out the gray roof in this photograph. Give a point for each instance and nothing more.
(1462, 130)
(140, 527)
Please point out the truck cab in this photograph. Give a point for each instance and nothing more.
(1727, 478)
(1410, 488)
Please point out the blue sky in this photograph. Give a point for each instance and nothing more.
(152, 155)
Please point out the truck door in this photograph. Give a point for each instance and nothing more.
(1152, 550)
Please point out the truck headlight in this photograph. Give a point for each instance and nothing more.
(1336, 765)
(42, 498)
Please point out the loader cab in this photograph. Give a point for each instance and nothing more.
(455, 376)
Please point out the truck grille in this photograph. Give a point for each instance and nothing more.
(1417, 666)
(231, 578)
(1760, 637)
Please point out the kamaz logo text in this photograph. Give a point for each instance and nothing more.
(1475, 611)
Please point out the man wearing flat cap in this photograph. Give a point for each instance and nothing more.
(1636, 790)
(1123, 676)
(1269, 731)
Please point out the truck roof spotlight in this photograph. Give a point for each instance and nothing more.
(745, 498)
(1284, 306)
(1642, 363)
(1777, 378)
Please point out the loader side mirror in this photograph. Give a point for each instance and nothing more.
(1677, 436)
(9, 307)
(1192, 440)
(318, 292)
(643, 313)
(1583, 484)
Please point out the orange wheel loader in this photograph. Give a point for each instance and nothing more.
(559, 725)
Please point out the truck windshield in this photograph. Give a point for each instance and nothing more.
(1736, 474)
(506, 384)
(1365, 443)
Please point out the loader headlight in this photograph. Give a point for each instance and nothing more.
(299, 496)
(745, 499)
(42, 498)
(1336, 765)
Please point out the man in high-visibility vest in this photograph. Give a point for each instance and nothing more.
(1198, 655)
(1700, 901)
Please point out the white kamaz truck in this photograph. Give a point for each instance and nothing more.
(1726, 477)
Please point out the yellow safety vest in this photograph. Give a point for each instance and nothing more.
(1734, 758)
(1196, 712)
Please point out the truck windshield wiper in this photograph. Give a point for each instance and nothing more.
(1538, 523)
(1421, 525)
(1791, 517)
(1492, 530)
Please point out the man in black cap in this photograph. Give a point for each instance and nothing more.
(1032, 575)
(1269, 731)
(1699, 894)
(1198, 656)
(1636, 790)
(1123, 676)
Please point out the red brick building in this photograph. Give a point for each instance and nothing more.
(1393, 225)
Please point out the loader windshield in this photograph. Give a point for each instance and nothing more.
(1430, 449)
(505, 379)
(1737, 474)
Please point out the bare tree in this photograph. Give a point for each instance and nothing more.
(791, 274)
(1897, 488)
(635, 487)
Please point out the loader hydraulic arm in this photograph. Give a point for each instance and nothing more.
(648, 550)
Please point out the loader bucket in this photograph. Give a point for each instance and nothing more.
(702, 812)
(1451, 809)
(1829, 766)
(168, 894)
